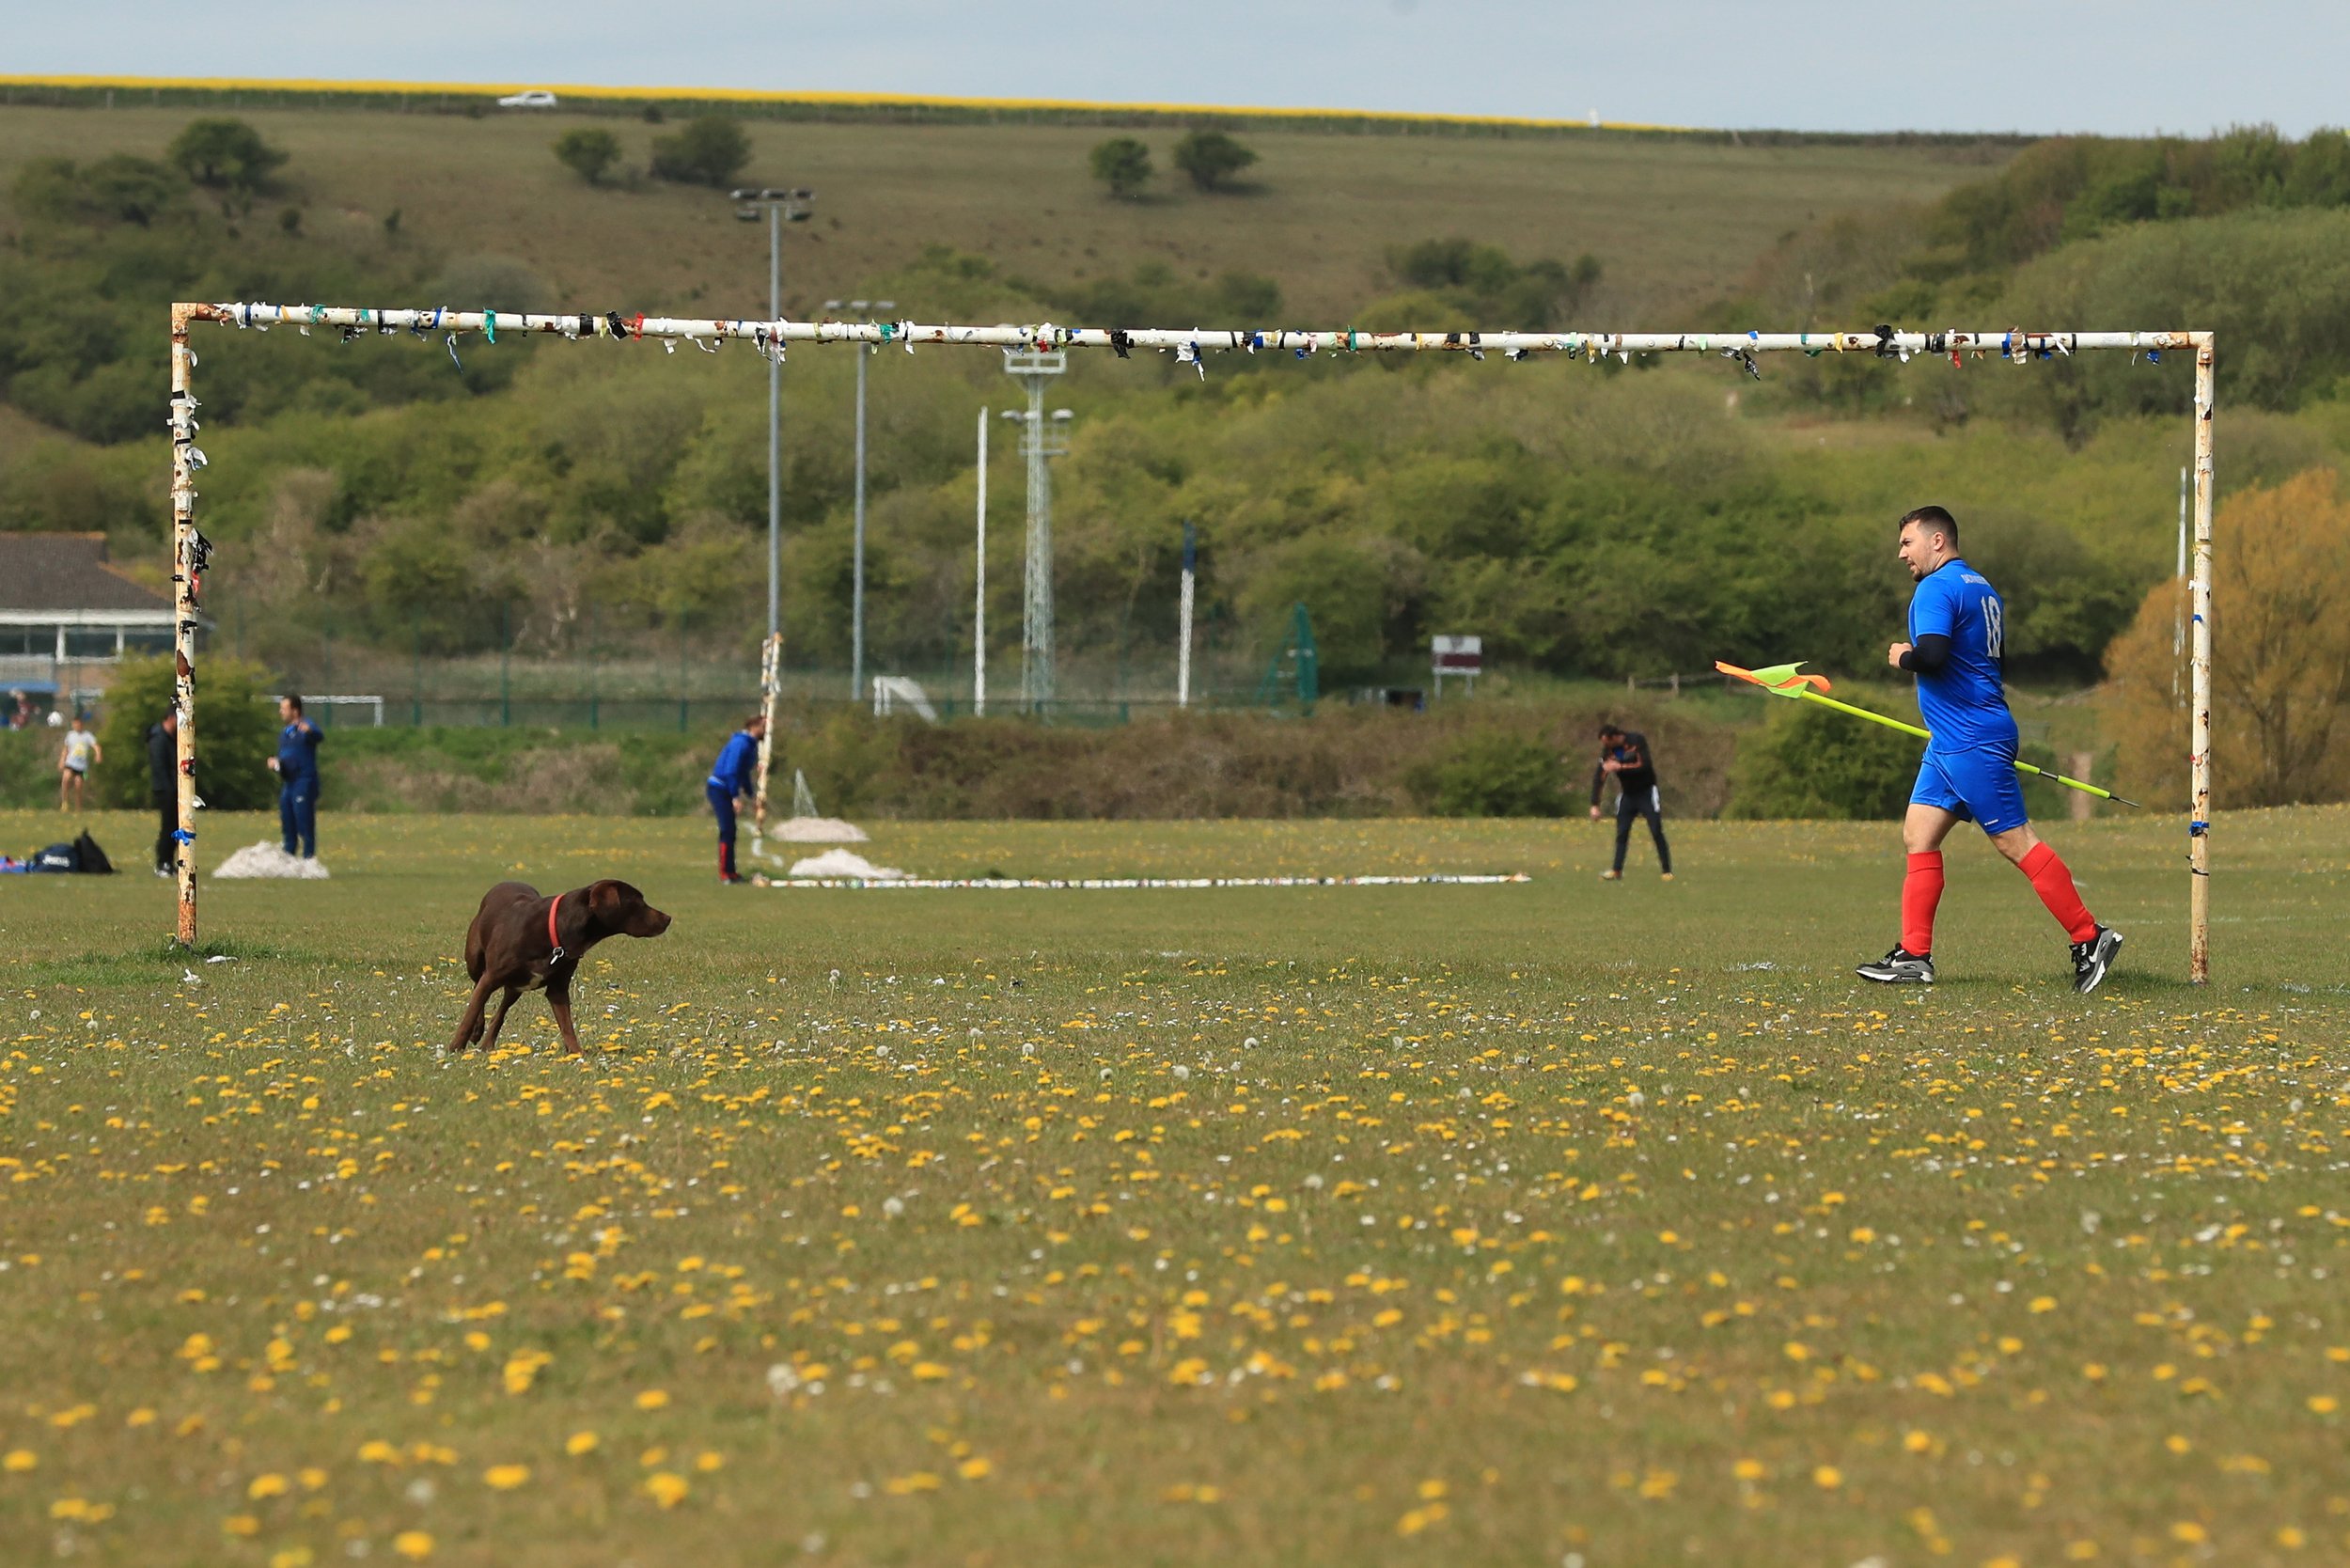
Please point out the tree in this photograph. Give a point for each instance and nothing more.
(1211, 158)
(116, 189)
(587, 153)
(226, 154)
(236, 732)
(1123, 165)
(2281, 656)
(710, 151)
(1807, 762)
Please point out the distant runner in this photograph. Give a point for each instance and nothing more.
(75, 757)
(1957, 650)
(1624, 753)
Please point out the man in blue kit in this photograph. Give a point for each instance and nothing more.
(1957, 648)
(296, 766)
(733, 776)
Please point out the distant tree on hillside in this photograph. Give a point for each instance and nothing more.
(710, 151)
(1483, 281)
(226, 154)
(1123, 165)
(116, 189)
(587, 153)
(1211, 158)
(2281, 656)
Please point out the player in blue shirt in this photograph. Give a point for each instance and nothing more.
(296, 766)
(734, 776)
(1957, 646)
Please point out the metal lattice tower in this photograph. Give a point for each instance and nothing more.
(1039, 439)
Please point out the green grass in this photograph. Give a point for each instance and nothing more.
(1670, 219)
(1412, 1225)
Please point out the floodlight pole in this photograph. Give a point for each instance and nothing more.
(774, 428)
(781, 207)
(2198, 683)
(1035, 367)
(1182, 649)
(978, 591)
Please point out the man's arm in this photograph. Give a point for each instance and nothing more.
(1927, 656)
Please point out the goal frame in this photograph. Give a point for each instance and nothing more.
(189, 548)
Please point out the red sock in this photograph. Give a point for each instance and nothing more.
(2053, 884)
(1921, 890)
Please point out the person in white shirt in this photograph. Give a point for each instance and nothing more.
(73, 764)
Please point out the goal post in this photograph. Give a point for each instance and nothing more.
(772, 339)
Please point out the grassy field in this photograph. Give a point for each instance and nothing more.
(1327, 208)
(1546, 1223)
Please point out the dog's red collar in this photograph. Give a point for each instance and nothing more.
(554, 943)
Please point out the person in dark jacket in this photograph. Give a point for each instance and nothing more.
(1625, 754)
(162, 788)
(732, 777)
(296, 766)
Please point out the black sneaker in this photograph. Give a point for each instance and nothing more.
(1899, 968)
(2093, 958)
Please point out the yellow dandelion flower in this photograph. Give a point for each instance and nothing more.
(2188, 1533)
(1748, 1469)
(974, 1469)
(505, 1478)
(19, 1461)
(414, 1545)
(667, 1488)
(652, 1399)
(1917, 1442)
(2290, 1539)
(241, 1524)
(709, 1461)
(580, 1443)
(1827, 1477)
(2324, 1405)
(271, 1485)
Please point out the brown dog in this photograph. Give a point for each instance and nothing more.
(522, 942)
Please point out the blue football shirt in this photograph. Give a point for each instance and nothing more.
(1964, 702)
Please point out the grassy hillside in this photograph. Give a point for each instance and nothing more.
(1318, 220)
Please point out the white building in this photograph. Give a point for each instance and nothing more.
(66, 616)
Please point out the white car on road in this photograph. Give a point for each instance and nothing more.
(534, 99)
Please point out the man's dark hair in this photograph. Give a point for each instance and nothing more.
(1610, 727)
(291, 701)
(1935, 520)
(753, 719)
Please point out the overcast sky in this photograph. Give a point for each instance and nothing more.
(2117, 66)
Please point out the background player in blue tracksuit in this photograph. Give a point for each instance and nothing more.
(296, 766)
(1957, 649)
(733, 776)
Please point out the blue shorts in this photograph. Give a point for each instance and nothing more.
(1979, 786)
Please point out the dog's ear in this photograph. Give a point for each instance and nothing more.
(610, 897)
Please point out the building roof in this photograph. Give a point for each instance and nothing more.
(67, 575)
